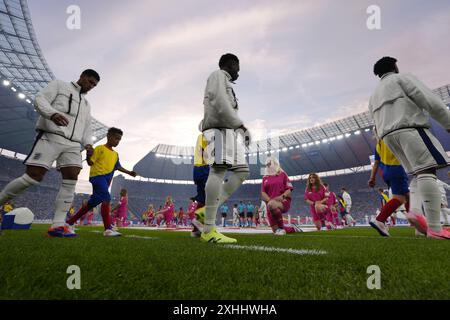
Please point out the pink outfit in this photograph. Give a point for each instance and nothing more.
(122, 210)
(275, 186)
(314, 196)
(168, 210)
(191, 210)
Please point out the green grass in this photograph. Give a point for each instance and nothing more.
(175, 266)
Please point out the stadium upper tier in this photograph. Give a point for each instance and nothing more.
(23, 72)
(342, 144)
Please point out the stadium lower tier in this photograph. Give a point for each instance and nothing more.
(40, 199)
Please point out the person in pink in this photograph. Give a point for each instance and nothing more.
(121, 208)
(168, 211)
(331, 209)
(276, 191)
(315, 196)
(191, 209)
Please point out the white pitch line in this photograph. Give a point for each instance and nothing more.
(366, 237)
(130, 236)
(272, 249)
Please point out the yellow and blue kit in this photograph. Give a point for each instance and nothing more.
(104, 162)
(201, 168)
(392, 171)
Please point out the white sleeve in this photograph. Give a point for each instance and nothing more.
(216, 92)
(44, 99)
(446, 186)
(426, 99)
(87, 134)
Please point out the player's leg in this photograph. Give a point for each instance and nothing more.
(65, 196)
(213, 190)
(424, 155)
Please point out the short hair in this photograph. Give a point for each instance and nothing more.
(91, 73)
(226, 59)
(343, 188)
(115, 130)
(325, 184)
(384, 65)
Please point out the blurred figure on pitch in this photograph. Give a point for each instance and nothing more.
(348, 206)
(445, 211)
(236, 217)
(241, 210)
(256, 220)
(168, 211)
(276, 191)
(329, 219)
(159, 216)
(315, 196)
(181, 217)
(120, 209)
(150, 215)
(224, 212)
(262, 212)
(250, 213)
(191, 211)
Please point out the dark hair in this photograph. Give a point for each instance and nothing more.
(325, 184)
(384, 65)
(91, 73)
(226, 59)
(381, 189)
(115, 130)
(343, 188)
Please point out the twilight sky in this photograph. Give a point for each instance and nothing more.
(303, 63)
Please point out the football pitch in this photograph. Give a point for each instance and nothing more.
(155, 265)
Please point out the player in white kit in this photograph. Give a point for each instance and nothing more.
(63, 130)
(401, 106)
(226, 138)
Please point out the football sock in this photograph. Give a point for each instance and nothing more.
(388, 209)
(80, 213)
(415, 200)
(63, 202)
(105, 212)
(16, 187)
(231, 184)
(213, 190)
(431, 196)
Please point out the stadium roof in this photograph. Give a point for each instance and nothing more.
(337, 145)
(23, 72)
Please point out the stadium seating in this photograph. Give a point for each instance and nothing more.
(40, 199)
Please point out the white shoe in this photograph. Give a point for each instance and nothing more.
(196, 234)
(380, 227)
(70, 230)
(198, 225)
(111, 233)
(418, 233)
(280, 232)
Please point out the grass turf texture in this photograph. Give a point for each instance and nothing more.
(175, 266)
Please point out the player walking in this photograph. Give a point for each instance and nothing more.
(401, 106)
(226, 136)
(63, 130)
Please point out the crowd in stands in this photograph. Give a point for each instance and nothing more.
(40, 199)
